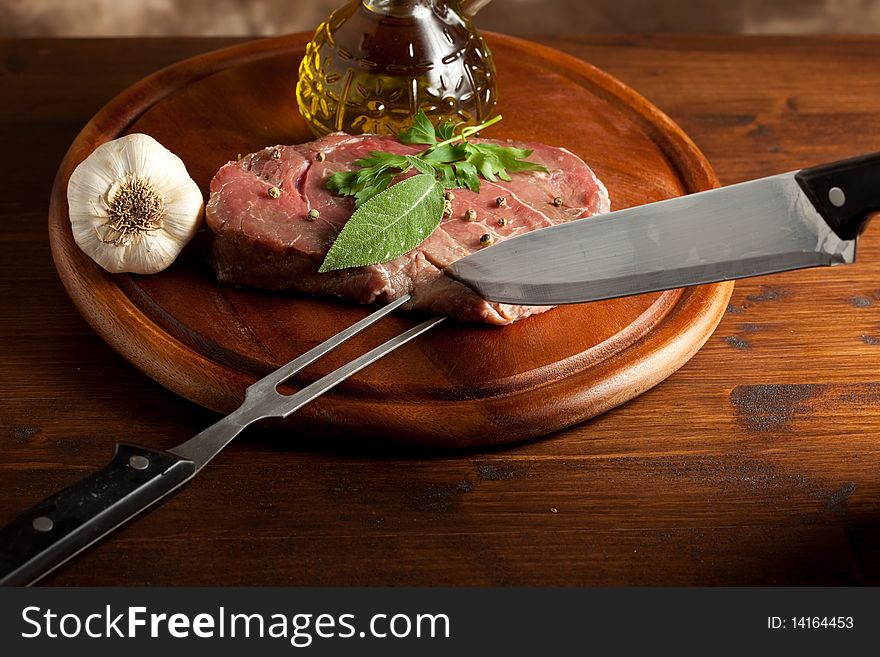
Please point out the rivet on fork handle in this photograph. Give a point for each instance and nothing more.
(68, 522)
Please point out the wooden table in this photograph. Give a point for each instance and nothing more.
(756, 463)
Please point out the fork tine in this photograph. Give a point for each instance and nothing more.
(292, 403)
(284, 372)
(262, 399)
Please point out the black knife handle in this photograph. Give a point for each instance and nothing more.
(844, 192)
(45, 536)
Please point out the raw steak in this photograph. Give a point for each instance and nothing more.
(270, 243)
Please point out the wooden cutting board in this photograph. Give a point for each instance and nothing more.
(459, 385)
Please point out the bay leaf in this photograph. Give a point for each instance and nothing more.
(389, 224)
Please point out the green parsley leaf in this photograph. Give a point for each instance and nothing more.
(389, 224)
(379, 159)
(445, 131)
(494, 161)
(446, 153)
(485, 162)
(376, 186)
(466, 176)
(421, 132)
(451, 158)
(510, 158)
(343, 183)
(376, 174)
(421, 165)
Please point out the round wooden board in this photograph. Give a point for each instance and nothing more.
(459, 385)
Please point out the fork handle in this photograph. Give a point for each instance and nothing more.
(56, 529)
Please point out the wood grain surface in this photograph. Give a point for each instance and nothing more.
(756, 463)
(462, 385)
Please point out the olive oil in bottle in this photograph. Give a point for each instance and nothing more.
(374, 63)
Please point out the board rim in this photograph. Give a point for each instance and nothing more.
(128, 324)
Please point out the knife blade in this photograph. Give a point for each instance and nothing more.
(806, 218)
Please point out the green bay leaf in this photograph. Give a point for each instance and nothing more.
(389, 224)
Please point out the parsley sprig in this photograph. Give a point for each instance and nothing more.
(451, 158)
(390, 220)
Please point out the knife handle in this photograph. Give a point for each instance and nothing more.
(51, 532)
(844, 192)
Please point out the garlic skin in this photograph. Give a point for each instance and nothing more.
(133, 206)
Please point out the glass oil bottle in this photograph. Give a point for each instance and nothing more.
(374, 63)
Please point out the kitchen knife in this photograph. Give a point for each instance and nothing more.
(803, 219)
(806, 218)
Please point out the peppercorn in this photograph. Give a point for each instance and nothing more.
(486, 240)
(274, 192)
(501, 202)
(557, 201)
(313, 214)
(320, 157)
(502, 221)
(470, 215)
(276, 153)
(449, 195)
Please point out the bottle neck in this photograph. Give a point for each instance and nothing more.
(471, 7)
(398, 8)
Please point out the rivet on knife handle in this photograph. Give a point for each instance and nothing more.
(844, 192)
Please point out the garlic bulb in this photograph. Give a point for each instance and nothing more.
(133, 206)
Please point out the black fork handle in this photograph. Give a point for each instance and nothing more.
(65, 523)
